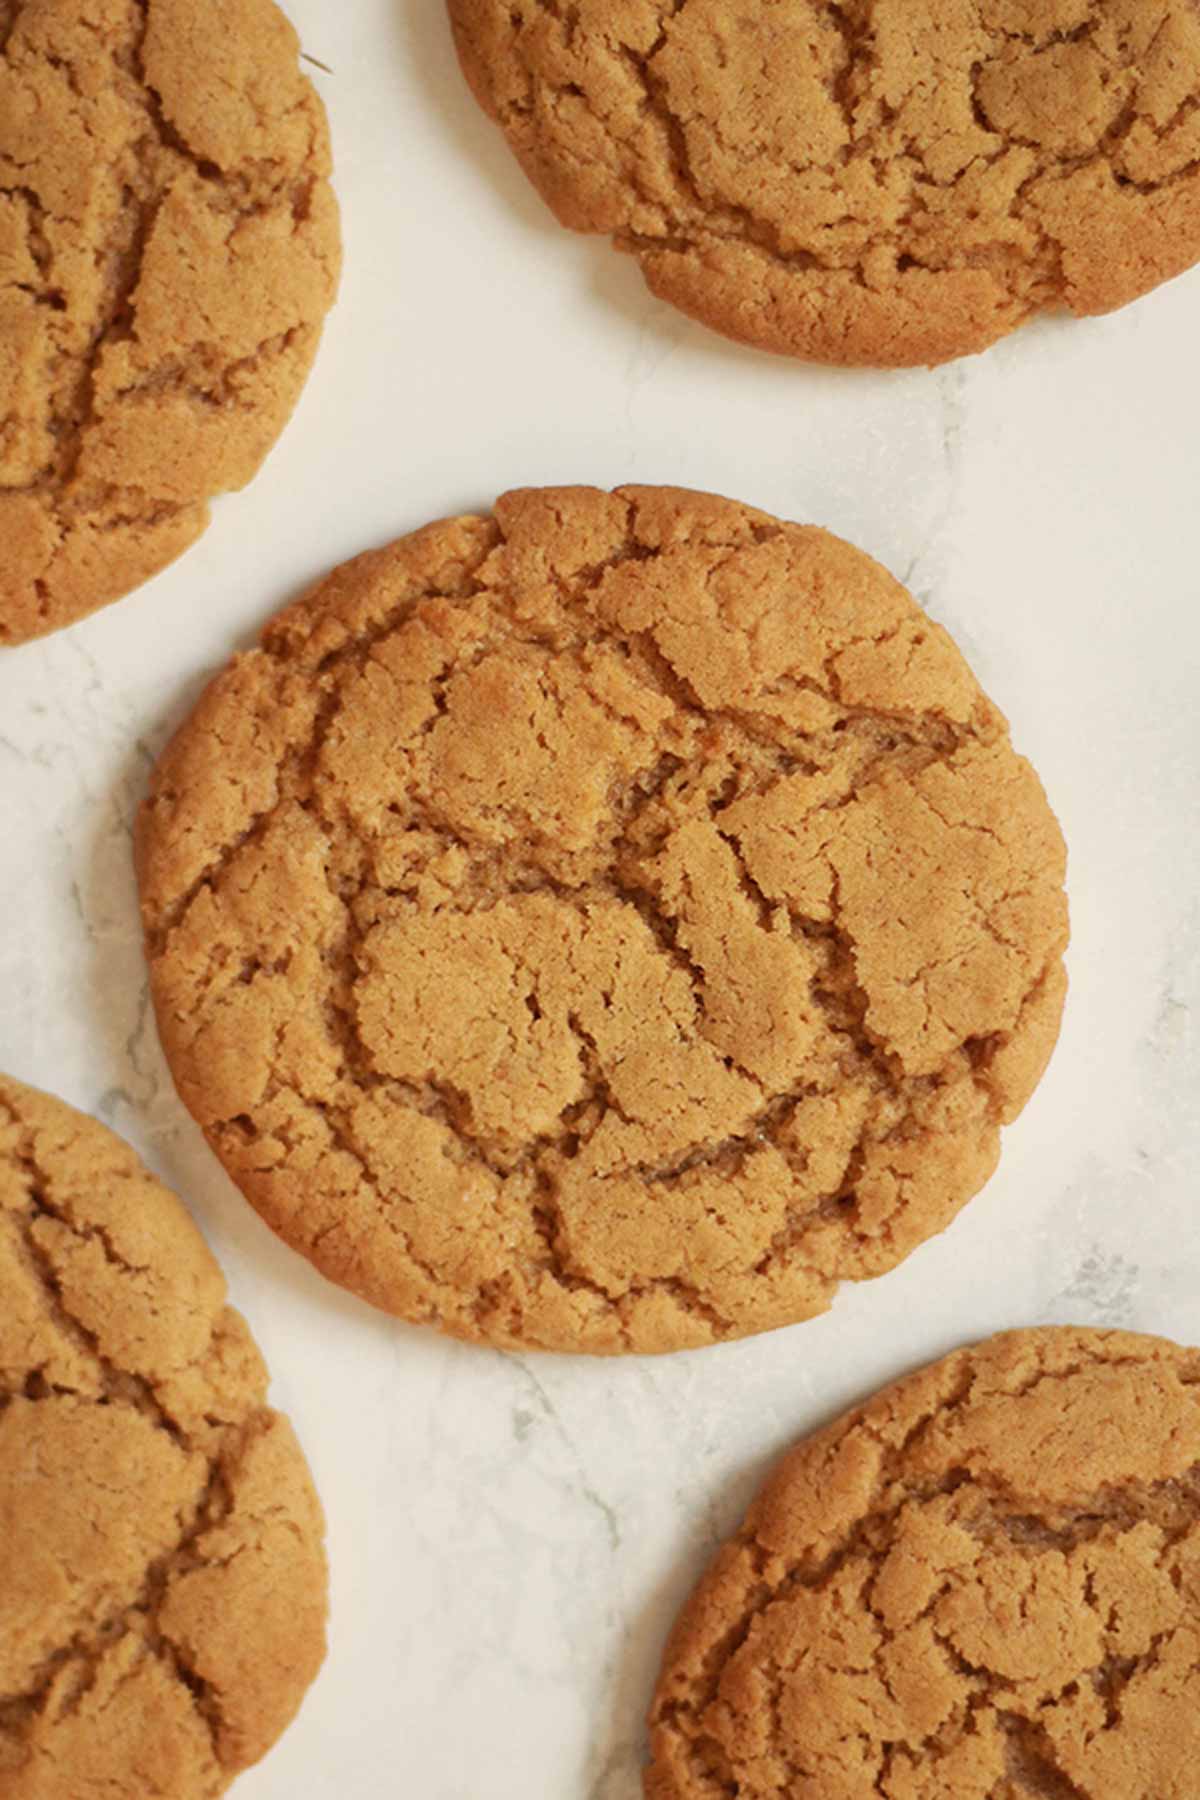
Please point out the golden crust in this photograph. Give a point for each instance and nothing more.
(606, 925)
(169, 248)
(882, 182)
(981, 1585)
(162, 1577)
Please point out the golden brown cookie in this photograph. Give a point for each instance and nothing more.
(606, 925)
(984, 1584)
(881, 181)
(168, 252)
(162, 1578)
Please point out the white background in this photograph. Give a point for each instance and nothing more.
(511, 1536)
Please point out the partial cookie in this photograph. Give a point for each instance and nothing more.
(606, 925)
(982, 1585)
(885, 182)
(168, 251)
(162, 1578)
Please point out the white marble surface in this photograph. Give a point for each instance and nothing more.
(510, 1536)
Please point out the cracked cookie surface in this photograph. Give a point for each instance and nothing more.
(605, 925)
(886, 182)
(982, 1585)
(162, 1577)
(169, 248)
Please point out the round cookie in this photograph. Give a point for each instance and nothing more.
(984, 1584)
(606, 925)
(162, 1578)
(887, 182)
(169, 248)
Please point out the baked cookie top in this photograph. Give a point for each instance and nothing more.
(982, 1585)
(168, 250)
(162, 1579)
(605, 925)
(884, 181)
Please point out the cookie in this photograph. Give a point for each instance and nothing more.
(162, 1578)
(169, 248)
(887, 182)
(606, 925)
(982, 1585)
